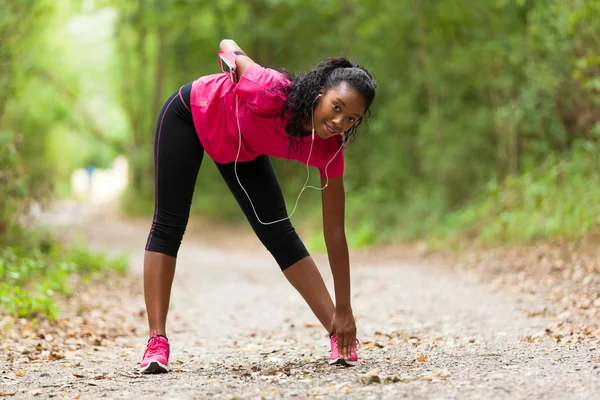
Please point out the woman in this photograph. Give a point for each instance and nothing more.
(240, 119)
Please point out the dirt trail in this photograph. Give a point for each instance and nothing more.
(238, 330)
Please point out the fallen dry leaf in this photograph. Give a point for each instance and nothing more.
(422, 358)
(370, 379)
(372, 345)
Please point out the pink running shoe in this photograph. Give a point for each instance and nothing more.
(156, 356)
(335, 358)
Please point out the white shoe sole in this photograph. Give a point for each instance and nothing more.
(341, 361)
(154, 367)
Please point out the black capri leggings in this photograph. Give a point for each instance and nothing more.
(178, 155)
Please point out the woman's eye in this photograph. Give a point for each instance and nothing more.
(336, 107)
(351, 120)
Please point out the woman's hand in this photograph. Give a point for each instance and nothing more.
(344, 326)
(242, 62)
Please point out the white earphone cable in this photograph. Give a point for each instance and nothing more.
(307, 168)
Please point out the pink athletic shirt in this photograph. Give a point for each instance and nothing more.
(213, 110)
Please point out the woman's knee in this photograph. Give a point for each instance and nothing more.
(165, 238)
(287, 248)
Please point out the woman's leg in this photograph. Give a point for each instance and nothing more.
(159, 271)
(307, 280)
(281, 239)
(177, 158)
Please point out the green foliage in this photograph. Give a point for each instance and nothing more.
(14, 190)
(469, 93)
(53, 95)
(558, 198)
(17, 188)
(29, 105)
(35, 272)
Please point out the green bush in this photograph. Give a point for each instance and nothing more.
(33, 275)
(13, 187)
(558, 198)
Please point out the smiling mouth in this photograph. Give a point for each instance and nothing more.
(331, 131)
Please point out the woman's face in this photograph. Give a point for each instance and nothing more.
(337, 110)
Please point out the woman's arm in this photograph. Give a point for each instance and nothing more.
(333, 203)
(241, 62)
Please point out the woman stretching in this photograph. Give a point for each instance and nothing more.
(240, 118)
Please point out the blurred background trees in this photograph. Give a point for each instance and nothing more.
(486, 120)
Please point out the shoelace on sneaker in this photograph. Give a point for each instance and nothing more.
(153, 347)
(335, 339)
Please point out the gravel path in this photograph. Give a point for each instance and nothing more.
(239, 330)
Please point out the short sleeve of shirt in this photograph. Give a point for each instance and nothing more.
(258, 87)
(335, 168)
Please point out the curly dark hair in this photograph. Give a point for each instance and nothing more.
(305, 87)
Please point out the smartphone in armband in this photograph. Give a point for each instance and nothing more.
(227, 68)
